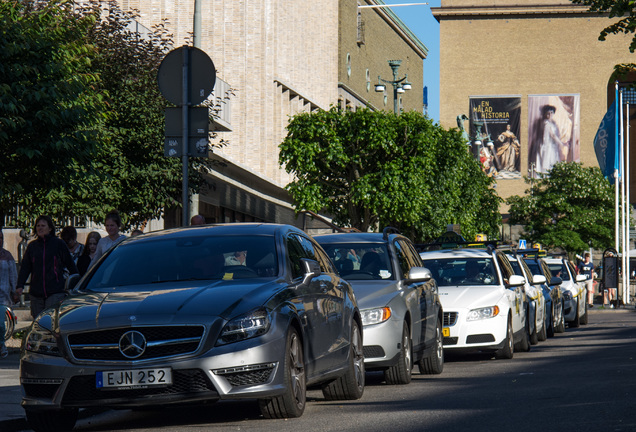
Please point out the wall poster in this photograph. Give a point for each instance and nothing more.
(553, 132)
(494, 132)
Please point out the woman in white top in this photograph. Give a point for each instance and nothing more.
(112, 225)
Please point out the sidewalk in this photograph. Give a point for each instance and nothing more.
(11, 413)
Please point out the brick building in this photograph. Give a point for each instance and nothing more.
(283, 58)
(528, 50)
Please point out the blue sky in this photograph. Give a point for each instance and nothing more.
(421, 22)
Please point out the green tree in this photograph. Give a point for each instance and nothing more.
(572, 208)
(625, 11)
(127, 169)
(49, 104)
(371, 169)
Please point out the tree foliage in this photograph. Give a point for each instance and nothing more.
(572, 208)
(49, 105)
(126, 168)
(625, 11)
(371, 169)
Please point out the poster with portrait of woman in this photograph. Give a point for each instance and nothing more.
(553, 132)
(494, 129)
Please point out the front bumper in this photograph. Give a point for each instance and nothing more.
(382, 344)
(480, 335)
(246, 369)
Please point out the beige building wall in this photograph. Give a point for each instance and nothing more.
(547, 47)
(369, 38)
(279, 56)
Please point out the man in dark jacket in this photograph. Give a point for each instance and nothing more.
(45, 259)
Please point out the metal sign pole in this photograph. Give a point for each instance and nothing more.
(184, 133)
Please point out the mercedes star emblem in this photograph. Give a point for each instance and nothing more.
(132, 344)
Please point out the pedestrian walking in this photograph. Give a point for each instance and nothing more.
(112, 223)
(69, 235)
(45, 260)
(587, 268)
(89, 252)
(8, 295)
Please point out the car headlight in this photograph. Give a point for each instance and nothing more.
(246, 326)
(41, 341)
(483, 313)
(375, 316)
(567, 295)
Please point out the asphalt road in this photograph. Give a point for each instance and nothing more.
(582, 380)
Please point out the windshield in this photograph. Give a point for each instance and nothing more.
(463, 271)
(182, 259)
(559, 270)
(516, 267)
(361, 261)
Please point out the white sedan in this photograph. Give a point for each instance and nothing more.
(483, 300)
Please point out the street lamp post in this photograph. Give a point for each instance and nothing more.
(400, 85)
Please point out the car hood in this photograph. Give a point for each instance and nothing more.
(176, 303)
(469, 297)
(374, 293)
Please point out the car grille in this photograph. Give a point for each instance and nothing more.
(480, 338)
(162, 341)
(371, 351)
(249, 375)
(82, 388)
(450, 318)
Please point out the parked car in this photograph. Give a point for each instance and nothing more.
(537, 327)
(551, 293)
(168, 317)
(573, 290)
(483, 300)
(401, 311)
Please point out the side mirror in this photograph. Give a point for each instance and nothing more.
(581, 278)
(419, 274)
(538, 279)
(556, 281)
(311, 269)
(516, 280)
(71, 281)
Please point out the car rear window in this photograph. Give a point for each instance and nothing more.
(181, 259)
(559, 269)
(462, 271)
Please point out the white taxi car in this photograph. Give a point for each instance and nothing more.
(573, 289)
(537, 325)
(483, 300)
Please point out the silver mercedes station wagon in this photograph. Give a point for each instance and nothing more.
(197, 314)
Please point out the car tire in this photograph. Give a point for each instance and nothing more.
(524, 344)
(534, 336)
(52, 421)
(550, 322)
(576, 322)
(543, 334)
(401, 372)
(560, 326)
(434, 363)
(507, 351)
(291, 404)
(350, 386)
(584, 318)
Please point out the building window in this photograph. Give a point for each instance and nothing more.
(368, 80)
(348, 65)
(360, 39)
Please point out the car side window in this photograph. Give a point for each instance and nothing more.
(506, 268)
(402, 257)
(295, 252)
(306, 249)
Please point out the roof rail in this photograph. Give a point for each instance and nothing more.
(389, 230)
